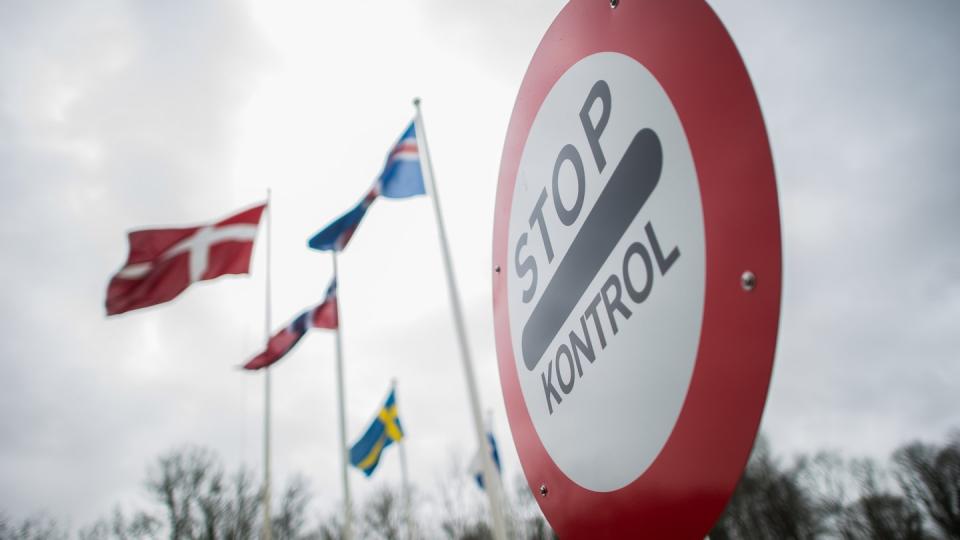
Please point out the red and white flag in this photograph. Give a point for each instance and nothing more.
(164, 262)
(322, 315)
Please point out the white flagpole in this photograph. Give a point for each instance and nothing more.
(489, 473)
(267, 529)
(344, 452)
(497, 476)
(408, 516)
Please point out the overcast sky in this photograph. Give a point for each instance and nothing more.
(119, 115)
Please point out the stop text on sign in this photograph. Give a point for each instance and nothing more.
(605, 269)
(630, 185)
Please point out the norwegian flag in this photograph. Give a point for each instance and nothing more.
(164, 262)
(323, 315)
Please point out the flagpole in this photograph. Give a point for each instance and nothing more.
(344, 456)
(405, 478)
(496, 505)
(267, 529)
(498, 477)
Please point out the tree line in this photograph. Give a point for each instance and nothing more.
(915, 495)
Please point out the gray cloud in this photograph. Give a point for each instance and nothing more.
(109, 114)
(860, 105)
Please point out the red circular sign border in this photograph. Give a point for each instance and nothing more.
(687, 49)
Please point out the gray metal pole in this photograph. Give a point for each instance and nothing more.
(408, 514)
(489, 472)
(344, 453)
(267, 529)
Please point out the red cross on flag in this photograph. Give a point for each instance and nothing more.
(164, 262)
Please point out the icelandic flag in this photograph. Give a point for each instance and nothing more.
(385, 429)
(476, 465)
(323, 315)
(402, 176)
(334, 237)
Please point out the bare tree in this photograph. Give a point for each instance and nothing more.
(240, 509)
(383, 515)
(879, 512)
(210, 501)
(331, 528)
(463, 512)
(142, 526)
(885, 516)
(827, 478)
(188, 484)
(290, 523)
(770, 502)
(39, 527)
(930, 475)
(810, 497)
(198, 502)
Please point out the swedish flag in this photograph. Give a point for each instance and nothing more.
(365, 454)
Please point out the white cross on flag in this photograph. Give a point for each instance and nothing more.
(164, 262)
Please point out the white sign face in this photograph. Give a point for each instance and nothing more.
(606, 271)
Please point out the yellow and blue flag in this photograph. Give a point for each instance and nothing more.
(385, 429)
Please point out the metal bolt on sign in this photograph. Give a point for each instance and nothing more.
(748, 281)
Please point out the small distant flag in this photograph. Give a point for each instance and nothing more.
(401, 177)
(163, 262)
(323, 315)
(385, 429)
(476, 465)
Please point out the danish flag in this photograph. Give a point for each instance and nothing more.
(164, 262)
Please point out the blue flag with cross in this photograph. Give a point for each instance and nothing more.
(401, 177)
(385, 429)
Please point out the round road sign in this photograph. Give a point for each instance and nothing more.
(637, 256)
